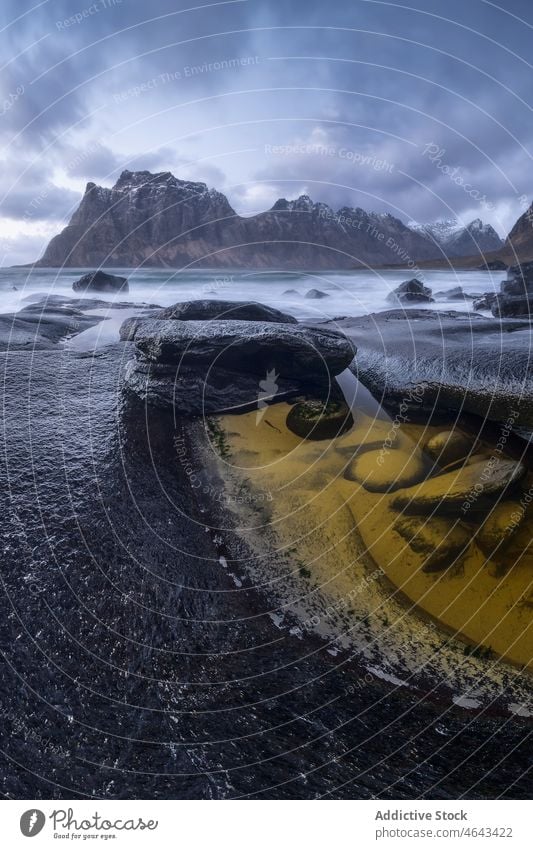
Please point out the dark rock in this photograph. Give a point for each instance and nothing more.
(511, 306)
(411, 291)
(128, 328)
(485, 301)
(445, 361)
(224, 311)
(519, 280)
(320, 419)
(499, 526)
(246, 346)
(196, 392)
(212, 366)
(516, 298)
(316, 294)
(100, 281)
(493, 265)
(290, 292)
(452, 294)
(86, 303)
(41, 327)
(209, 310)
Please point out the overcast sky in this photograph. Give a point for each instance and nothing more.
(421, 109)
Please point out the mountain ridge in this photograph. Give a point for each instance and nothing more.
(156, 219)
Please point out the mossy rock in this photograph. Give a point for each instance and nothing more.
(386, 471)
(320, 419)
(439, 541)
(449, 446)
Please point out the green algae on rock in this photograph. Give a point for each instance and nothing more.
(449, 446)
(320, 419)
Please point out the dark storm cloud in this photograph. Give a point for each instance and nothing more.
(377, 78)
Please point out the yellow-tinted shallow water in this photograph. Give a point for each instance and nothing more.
(339, 532)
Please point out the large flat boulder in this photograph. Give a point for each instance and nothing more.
(210, 310)
(205, 367)
(246, 346)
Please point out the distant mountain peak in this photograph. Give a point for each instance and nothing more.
(457, 239)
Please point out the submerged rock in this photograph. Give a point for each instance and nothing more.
(499, 526)
(449, 446)
(316, 294)
(470, 488)
(320, 419)
(385, 471)
(411, 291)
(439, 541)
(100, 281)
(208, 310)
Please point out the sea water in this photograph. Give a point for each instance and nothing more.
(348, 293)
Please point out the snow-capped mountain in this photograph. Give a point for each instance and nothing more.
(455, 239)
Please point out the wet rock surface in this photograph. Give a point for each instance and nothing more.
(516, 294)
(87, 303)
(133, 667)
(220, 365)
(445, 361)
(209, 310)
(40, 327)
